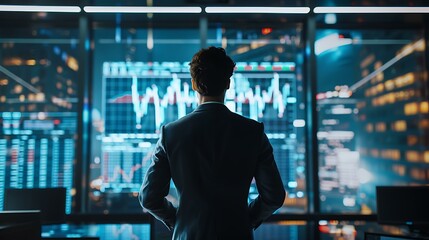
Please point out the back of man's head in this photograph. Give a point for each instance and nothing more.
(211, 69)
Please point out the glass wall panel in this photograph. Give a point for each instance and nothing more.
(141, 82)
(38, 109)
(268, 88)
(372, 103)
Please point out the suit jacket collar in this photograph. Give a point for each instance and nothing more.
(211, 106)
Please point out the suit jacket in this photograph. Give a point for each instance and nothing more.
(212, 155)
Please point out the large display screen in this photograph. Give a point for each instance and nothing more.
(38, 104)
(138, 97)
(372, 103)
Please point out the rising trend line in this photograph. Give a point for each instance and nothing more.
(19, 80)
(407, 50)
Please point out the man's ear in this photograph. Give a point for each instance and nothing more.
(194, 85)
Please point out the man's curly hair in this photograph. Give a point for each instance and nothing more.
(211, 69)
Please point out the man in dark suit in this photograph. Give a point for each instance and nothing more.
(212, 155)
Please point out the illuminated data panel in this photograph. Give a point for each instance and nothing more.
(38, 110)
(372, 119)
(37, 153)
(138, 98)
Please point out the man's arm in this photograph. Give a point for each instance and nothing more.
(156, 186)
(269, 184)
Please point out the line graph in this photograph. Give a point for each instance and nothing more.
(174, 96)
(158, 97)
(114, 173)
(257, 99)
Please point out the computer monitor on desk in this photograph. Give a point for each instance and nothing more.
(404, 206)
(50, 201)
